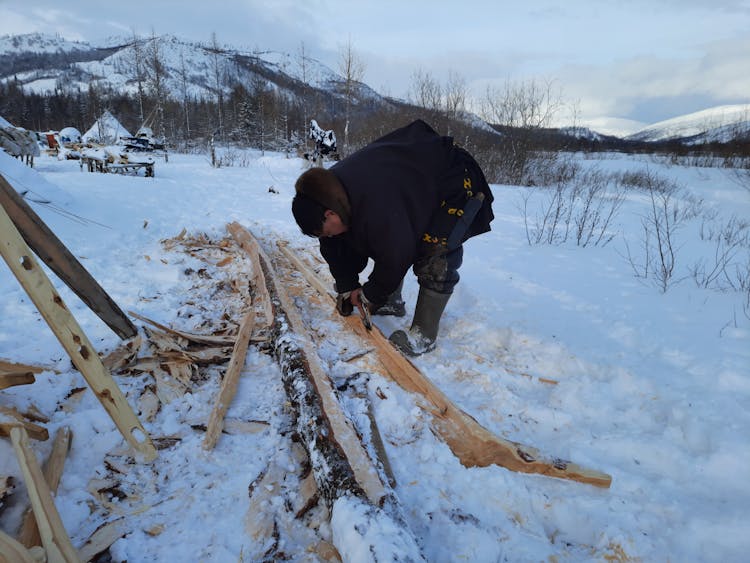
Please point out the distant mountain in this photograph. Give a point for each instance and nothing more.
(43, 64)
(46, 63)
(718, 124)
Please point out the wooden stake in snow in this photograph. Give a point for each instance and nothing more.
(473, 444)
(55, 539)
(29, 534)
(231, 380)
(26, 269)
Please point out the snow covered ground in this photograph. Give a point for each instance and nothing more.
(650, 387)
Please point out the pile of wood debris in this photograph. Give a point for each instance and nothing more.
(327, 464)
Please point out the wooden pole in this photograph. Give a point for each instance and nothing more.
(32, 278)
(55, 539)
(53, 469)
(231, 381)
(60, 260)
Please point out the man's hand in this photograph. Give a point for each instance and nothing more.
(359, 300)
(344, 304)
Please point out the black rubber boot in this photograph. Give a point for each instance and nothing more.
(424, 328)
(394, 306)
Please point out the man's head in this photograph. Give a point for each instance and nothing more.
(321, 206)
(314, 219)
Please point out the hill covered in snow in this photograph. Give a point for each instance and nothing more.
(44, 64)
(718, 124)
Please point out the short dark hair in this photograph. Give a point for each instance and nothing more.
(309, 214)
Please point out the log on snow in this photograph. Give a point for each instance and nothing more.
(346, 478)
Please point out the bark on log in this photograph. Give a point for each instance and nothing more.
(347, 479)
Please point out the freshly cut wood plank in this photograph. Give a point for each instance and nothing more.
(13, 379)
(15, 418)
(252, 248)
(55, 539)
(37, 285)
(231, 380)
(53, 469)
(60, 260)
(473, 444)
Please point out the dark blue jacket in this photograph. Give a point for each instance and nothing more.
(395, 185)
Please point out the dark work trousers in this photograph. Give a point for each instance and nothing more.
(437, 265)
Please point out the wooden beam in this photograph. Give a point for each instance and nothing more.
(60, 260)
(231, 380)
(13, 367)
(473, 444)
(52, 471)
(55, 539)
(248, 243)
(25, 267)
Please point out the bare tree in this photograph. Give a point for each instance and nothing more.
(425, 91)
(352, 68)
(217, 72)
(157, 74)
(183, 76)
(520, 109)
(139, 73)
(455, 94)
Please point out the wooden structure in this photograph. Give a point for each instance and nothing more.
(95, 164)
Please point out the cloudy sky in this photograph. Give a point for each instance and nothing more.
(642, 60)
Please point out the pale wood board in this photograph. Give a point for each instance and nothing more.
(231, 380)
(13, 379)
(35, 431)
(53, 469)
(12, 551)
(55, 539)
